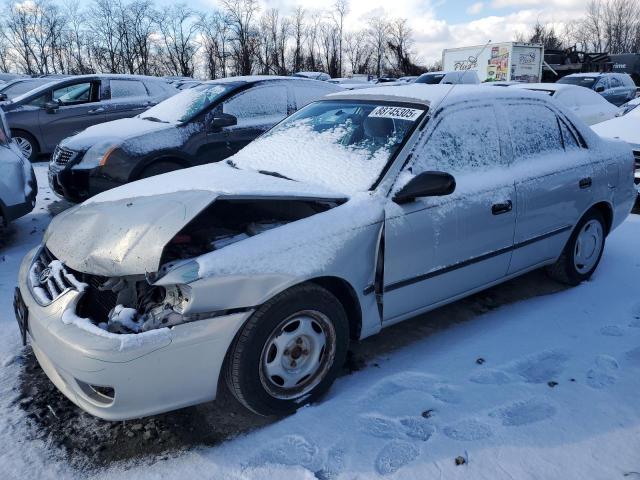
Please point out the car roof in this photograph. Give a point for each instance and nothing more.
(549, 87)
(430, 94)
(256, 78)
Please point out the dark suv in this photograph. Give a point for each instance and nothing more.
(204, 124)
(42, 117)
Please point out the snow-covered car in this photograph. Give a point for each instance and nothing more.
(453, 78)
(18, 186)
(616, 88)
(357, 212)
(589, 106)
(627, 107)
(627, 129)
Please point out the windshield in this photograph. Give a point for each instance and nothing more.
(342, 145)
(588, 82)
(430, 78)
(185, 105)
(21, 87)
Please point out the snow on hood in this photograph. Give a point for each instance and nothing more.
(626, 128)
(118, 130)
(124, 231)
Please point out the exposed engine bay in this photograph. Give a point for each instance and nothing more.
(132, 304)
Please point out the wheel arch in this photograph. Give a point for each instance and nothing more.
(346, 295)
(606, 210)
(169, 158)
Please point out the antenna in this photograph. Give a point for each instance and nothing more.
(471, 60)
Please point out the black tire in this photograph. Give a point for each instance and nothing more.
(20, 136)
(158, 168)
(564, 270)
(244, 372)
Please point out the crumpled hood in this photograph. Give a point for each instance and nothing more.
(124, 231)
(116, 130)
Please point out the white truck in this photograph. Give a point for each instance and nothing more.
(498, 62)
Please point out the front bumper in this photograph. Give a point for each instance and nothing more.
(78, 184)
(151, 373)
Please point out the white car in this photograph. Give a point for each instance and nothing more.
(358, 211)
(626, 128)
(589, 106)
(18, 187)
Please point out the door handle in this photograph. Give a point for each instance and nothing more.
(585, 182)
(500, 208)
(96, 110)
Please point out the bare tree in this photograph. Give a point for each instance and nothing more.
(340, 11)
(378, 32)
(179, 28)
(241, 15)
(298, 32)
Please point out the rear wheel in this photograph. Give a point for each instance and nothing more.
(27, 144)
(290, 351)
(158, 168)
(583, 251)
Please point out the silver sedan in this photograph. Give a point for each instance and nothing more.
(357, 212)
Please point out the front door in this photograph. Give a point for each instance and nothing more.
(79, 107)
(442, 247)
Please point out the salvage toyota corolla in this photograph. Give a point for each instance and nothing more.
(357, 212)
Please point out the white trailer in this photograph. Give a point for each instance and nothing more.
(498, 62)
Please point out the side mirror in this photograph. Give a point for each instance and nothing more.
(600, 89)
(51, 107)
(3, 97)
(426, 184)
(222, 120)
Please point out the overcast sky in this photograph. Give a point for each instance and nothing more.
(438, 24)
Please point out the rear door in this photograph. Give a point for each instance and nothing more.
(126, 98)
(553, 182)
(79, 108)
(440, 247)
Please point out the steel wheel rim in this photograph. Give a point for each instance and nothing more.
(24, 145)
(298, 354)
(588, 246)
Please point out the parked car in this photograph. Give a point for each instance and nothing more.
(617, 88)
(625, 128)
(18, 186)
(348, 83)
(204, 124)
(409, 79)
(627, 107)
(453, 77)
(357, 212)
(590, 107)
(313, 75)
(20, 86)
(42, 117)
(7, 77)
(187, 84)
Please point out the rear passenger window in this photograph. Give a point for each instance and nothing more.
(127, 89)
(534, 130)
(464, 140)
(309, 93)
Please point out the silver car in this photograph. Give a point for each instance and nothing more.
(357, 212)
(18, 186)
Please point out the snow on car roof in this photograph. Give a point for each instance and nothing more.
(255, 78)
(549, 87)
(430, 94)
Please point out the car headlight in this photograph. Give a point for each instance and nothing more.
(98, 154)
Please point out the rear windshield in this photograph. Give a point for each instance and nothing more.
(185, 105)
(581, 81)
(430, 78)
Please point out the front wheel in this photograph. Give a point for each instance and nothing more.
(583, 251)
(27, 144)
(290, 351)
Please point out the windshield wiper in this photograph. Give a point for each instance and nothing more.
(154, 119)
(274, 174)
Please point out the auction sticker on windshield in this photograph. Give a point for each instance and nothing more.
(397, 113)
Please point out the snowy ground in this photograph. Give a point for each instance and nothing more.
(527, 380)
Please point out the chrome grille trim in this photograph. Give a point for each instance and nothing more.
(49, 279)
(63, 156)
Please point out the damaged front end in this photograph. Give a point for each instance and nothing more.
(134, 303)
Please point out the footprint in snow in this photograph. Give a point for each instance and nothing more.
(395, 384)
(395, 455)
(390, 428)
(524, 413)
(468, 430)
(635, 323)
(602, 374)
(633, 356)
(447, 394)
(490, 377)
(541, 367)
(334, 465)
(612, 331)
(289, 450)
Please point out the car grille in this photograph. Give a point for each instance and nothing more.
(62, 156)
(49, 279)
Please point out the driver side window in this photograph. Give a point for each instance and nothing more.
(75, 94)
(464, 141)
(263, 104)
